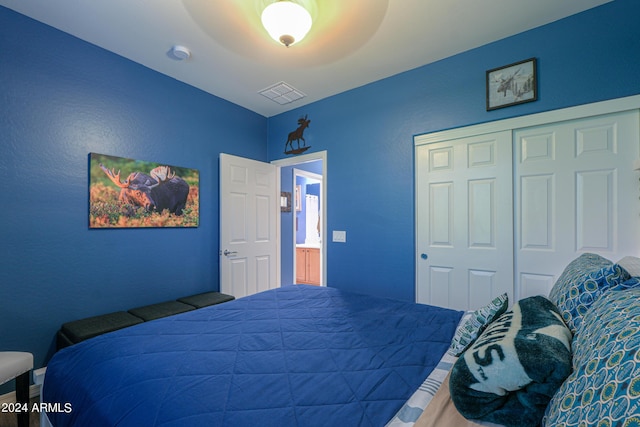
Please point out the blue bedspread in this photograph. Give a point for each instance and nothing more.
(294, 356)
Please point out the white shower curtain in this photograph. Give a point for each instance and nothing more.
(312, 217)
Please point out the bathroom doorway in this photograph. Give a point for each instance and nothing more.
(307, 224)
(302, 228)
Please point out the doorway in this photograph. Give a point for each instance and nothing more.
(307, 225)
(292, 226)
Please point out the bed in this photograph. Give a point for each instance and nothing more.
(294, 356)
(569, 359)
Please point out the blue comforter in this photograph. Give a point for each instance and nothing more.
(293, 356)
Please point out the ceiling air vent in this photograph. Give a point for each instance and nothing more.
(282, 93)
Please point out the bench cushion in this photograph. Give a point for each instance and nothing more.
(80, 330)
(163, 309)
(206, 299)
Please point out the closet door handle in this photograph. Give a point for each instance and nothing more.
(228, 252)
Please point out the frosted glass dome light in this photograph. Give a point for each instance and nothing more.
(286, 22)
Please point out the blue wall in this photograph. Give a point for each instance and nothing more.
(368, 132)
(61, 98)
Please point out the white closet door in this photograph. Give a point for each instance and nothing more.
(464, 221)
(576, 192)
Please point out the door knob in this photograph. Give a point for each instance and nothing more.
(228, 252)
(424, 256)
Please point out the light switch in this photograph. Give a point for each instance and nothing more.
(339, 236)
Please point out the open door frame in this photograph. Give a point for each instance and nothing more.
(292, 161)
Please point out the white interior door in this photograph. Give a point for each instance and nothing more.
(464, 220)
(249, 204)
(576, 192)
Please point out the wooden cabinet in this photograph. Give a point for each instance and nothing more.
(308, 265)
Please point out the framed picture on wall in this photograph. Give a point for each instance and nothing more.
(129, 193)
(512, 84)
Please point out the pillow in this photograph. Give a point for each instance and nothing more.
(631, 264)
(604, 387)
(514, 368)
(581, 284)
(634, 282)
(469, 331)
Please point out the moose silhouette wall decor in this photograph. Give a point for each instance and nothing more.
(296, 135)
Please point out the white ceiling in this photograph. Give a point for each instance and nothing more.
(352, 42)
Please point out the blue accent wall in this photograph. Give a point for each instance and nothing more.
(368, 132)
(61, 98)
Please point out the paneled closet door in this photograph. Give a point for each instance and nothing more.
(464, 221)
(576, 192)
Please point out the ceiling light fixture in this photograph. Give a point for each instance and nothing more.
(286, 22)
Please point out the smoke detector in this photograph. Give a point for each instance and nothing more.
(179, 53)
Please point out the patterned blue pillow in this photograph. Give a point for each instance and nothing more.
(604, 388)
(582, 282)
(634, 282)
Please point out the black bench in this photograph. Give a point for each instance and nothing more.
(205, 299)
(79, 330)
(163, 309)
(83, 329)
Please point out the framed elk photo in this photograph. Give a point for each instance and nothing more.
(512, 84)
(128, 193)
